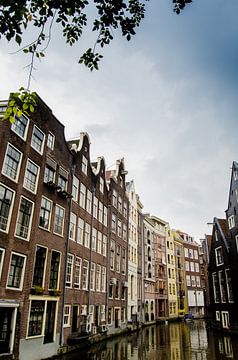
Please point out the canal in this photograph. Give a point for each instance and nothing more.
(175, 341)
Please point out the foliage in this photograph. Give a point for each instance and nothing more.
(19, 102)
(18, 16)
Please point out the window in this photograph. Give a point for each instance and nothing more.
(72, 226)
(82, 196)
(110, 313)
(6, 204)
(192, 266)
(31, 176)
(191, 253)
(100, 211)
(117, 290)
(222, 286)
(193, 281)
(195, 254)
(187, 265)
(99, 243)
(188, 281)
(235, 175)
(231, 221)
(114, 198)
(80, 232)
(119, 228)
(59, 220)
(37, 140)
(125, 209)
(24, 218)
(20, 126)
(16, 271)
(2, 253)
(218, 316)
(114, 223)
(112, 254)
(39, 268)
(87, 235)
(95, 208)
(12, 163)
(104, 245)
(89, 202)
(67, 310)
(75, 189)
(50, 141)
(54, 270)
(98, 278)
(77, 273)
(196, 267)
(105, 216)
(69, 270)
(120, 204)
(62, 180)
(49, 175)
(45, 213)
(94, 239)
(92, 277)
(101, 185)
(198, 281)
(123, 263)
(35, 326)
(118, 259)
(103, 279)
(215, 287)
(185, 252)
(84, 165)
(219, 256)
(85, 275)
(124, 232)
(229, 286)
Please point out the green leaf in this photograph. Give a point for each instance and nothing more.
(18, 39)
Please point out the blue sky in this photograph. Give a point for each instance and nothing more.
(166, 102)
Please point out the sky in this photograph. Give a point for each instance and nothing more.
(166, 102)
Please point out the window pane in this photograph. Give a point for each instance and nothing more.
(6, 197)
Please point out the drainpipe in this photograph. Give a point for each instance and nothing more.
(90, 255)
(66, 257)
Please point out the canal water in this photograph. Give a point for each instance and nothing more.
(175, 341)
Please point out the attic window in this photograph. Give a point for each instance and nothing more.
(219, 256)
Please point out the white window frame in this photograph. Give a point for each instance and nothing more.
(100, 212)
(78, 271)
(30, 222)
(50, 201)
(104, 245)
(86, 274)
(75, 189)
(72, 226)
(50, 144)
(92, 276)
(225, 319)
(231, 221)
(218, 315)
(101, 185)
(18, 164)
(80, 231)
(216, 300)
(82, 195)
(89, 201)
(99, 242)
(84, 165)
(69, 274)
(105, 216)
(45, 264)
(103, 279)
(62, 232)
(43, 141)
(22, 274)
(94, 239)
(227, 287)
(98, 278)
(95, 207)
(67, 315)
(37, 177)
(216, 251)
(87, 229)
(18, 118)
(10, 208)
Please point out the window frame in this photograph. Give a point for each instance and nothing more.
(10, 207)
(57, 206)
(18, 164)
(30, 219)
(26, 126)
(45, 211)
(36, 176)
(50, 144)
(44, 266)
(22, 272)
(43, 140)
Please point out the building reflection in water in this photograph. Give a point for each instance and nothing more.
(175, 341)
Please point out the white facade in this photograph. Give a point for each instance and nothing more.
(132, 309)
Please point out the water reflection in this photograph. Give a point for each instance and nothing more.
(175, 341)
